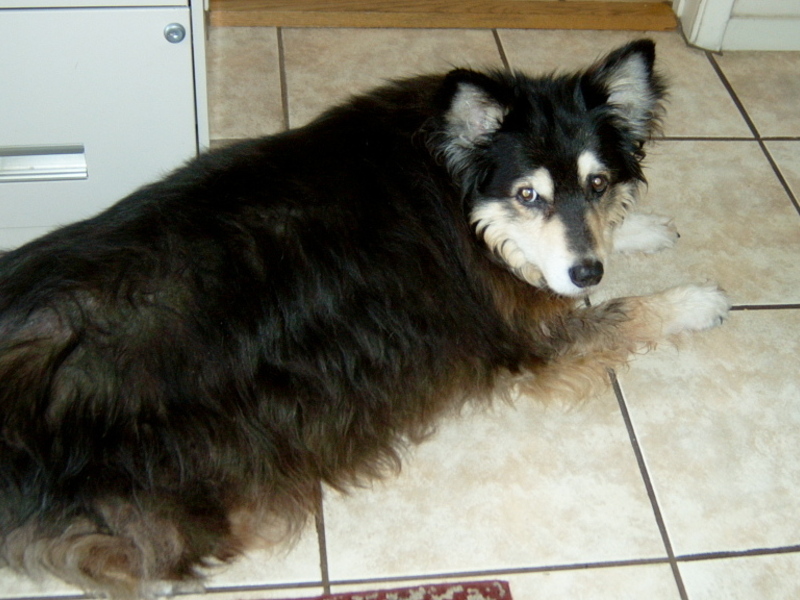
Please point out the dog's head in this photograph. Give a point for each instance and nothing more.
(549, 166)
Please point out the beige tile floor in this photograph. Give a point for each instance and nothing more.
(683, 481)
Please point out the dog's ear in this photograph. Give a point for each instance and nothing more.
(626, 82)
(473, 110)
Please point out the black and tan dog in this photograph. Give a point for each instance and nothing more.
(292, 310)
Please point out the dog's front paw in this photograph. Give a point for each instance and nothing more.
(645, 233)
(694, 308)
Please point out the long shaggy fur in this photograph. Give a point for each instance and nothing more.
(292, 311)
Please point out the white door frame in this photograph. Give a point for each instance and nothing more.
(704, 21)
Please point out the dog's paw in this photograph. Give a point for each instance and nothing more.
(645, 233)
(694, 308)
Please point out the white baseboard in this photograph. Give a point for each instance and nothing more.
(762, 33)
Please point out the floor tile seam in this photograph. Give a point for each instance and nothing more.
(499, 43)
(322, 542)
(502, 572)
(726, 554)
(726, 138)
(648, 483)
(756, 134)
(779, 174)
(704, 138)
(236, 589)
(762, 307)
(282, 77)
(733, 95)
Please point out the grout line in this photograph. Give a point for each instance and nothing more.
(637, 450)
(732, 94)
(779, 175)
(724, 79)
(572, 567)
(457, 575)
(739, 553)
(493, 573)
(319, 521)
(711, 138)
(229, 589)
(501, 50)
(746, 307)
(282, 74)
(699, 138)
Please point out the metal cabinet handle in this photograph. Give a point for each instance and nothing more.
(42, 163)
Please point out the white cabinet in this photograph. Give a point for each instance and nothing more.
(95, 101)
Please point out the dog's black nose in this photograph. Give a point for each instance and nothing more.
(586, 273)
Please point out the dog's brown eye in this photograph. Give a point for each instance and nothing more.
(527, 195)
(599, 183)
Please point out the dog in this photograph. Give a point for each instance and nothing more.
(191, 366)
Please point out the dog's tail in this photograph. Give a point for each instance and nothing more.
(32, 346)
(52, 519)
(94, 488)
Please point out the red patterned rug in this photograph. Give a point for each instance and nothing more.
(471, 590)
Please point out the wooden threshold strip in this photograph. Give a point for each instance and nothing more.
(473, 14)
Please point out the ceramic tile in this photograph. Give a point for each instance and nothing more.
(243, 82)
(326, 66)
(768, 85)
(543, 51)
(507, 488)
(738, 227)
(654, 582)
(221, 143)
(717, 421)
(773, 577)
(787, 156)
(698, 103)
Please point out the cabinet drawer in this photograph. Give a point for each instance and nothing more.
(102, 84)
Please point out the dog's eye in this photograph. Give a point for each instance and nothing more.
(599, 183)
(527, 195)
